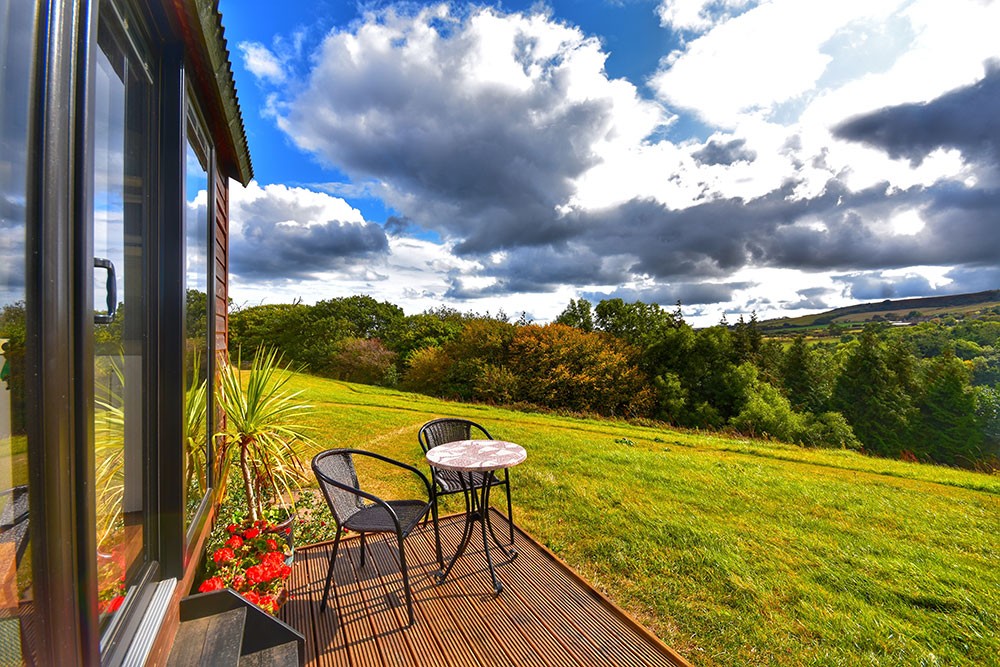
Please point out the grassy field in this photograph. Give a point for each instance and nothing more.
(734, 552)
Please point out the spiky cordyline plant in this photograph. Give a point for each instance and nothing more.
(263, 421)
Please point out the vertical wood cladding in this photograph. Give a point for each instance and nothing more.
(221, 263)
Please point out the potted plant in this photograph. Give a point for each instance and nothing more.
(251, 562)
(263, 423)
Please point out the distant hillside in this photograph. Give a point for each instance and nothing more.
(913, 310)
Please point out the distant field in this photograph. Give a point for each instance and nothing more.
(735, 552)
(941, 306)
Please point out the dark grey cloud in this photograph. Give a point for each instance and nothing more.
(487, 162)
(291, 233)
(689, 294)
(544, 269)
(397, 224)
(833, 231)
(966, 118)
(270, 251)
(726, 153)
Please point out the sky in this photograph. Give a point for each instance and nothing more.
(782, 156)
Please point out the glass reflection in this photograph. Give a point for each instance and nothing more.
(121, 138)
(17, 28)
(196, 276)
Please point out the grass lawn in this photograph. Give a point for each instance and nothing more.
(734, 552)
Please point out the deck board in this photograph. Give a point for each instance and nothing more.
(546, 615)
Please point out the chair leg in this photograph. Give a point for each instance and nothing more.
(406, 580)
(329, 570)
(363, 550)
(437, 532)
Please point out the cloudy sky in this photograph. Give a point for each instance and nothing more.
(781, 156)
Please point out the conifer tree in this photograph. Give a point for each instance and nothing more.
(869, 395)
(947, 430)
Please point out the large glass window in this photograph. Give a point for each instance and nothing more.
(122, 140)
(17, 30)
(198, 349)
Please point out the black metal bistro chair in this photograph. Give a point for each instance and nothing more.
(447, 482)
(338, 480)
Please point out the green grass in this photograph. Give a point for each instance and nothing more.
(734, 552)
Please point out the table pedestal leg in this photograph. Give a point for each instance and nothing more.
(479, 511)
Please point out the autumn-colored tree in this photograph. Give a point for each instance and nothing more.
(559, 366)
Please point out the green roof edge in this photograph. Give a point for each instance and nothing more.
(210, 24)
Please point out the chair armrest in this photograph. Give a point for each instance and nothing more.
(394, 462)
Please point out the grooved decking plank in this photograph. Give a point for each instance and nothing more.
(331, 645)
(490, 611)
(522, 632)
(601, 623)
(421, 640)
(546, 615)
(479, 636)
(361, 639)
(297, 612)
(516, 583)
(379, 606)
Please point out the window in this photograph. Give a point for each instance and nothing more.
(198, 348)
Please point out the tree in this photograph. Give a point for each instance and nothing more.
(869, 395)
(577, 315)
(802, 374)
(636, 323)
(947, 429)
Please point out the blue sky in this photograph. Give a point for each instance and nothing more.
(778, 156)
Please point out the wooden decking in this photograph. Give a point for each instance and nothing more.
(546, 615)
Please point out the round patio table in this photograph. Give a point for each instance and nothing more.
(477, 458)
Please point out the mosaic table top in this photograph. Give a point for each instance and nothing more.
(476, 455)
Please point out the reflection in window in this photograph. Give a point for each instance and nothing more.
(121, 140)
(197, 351)
(17, 21)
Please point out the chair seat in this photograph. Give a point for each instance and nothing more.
(451, 481)
(375, 519)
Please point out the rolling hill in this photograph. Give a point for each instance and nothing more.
(915, 310)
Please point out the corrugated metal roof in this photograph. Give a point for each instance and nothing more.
(202, 20)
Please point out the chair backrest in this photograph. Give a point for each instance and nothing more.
(447, 429)
(337, 465)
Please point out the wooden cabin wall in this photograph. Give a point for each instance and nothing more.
(221, 264)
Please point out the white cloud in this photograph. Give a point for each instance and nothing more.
(698, 15)
(504, 134)
(261, 62)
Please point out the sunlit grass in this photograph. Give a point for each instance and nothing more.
(733, 551)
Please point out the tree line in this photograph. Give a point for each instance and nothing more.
(927, 392)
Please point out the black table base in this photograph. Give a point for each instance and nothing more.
(477, 510)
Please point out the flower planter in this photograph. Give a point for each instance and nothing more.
(286, 529)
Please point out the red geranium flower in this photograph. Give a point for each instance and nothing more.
(272, 545)
(232, 528)
(114, 604)
(213, 584)
(252, 533)
(251, 597)
(223, 555)
(235, 542)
